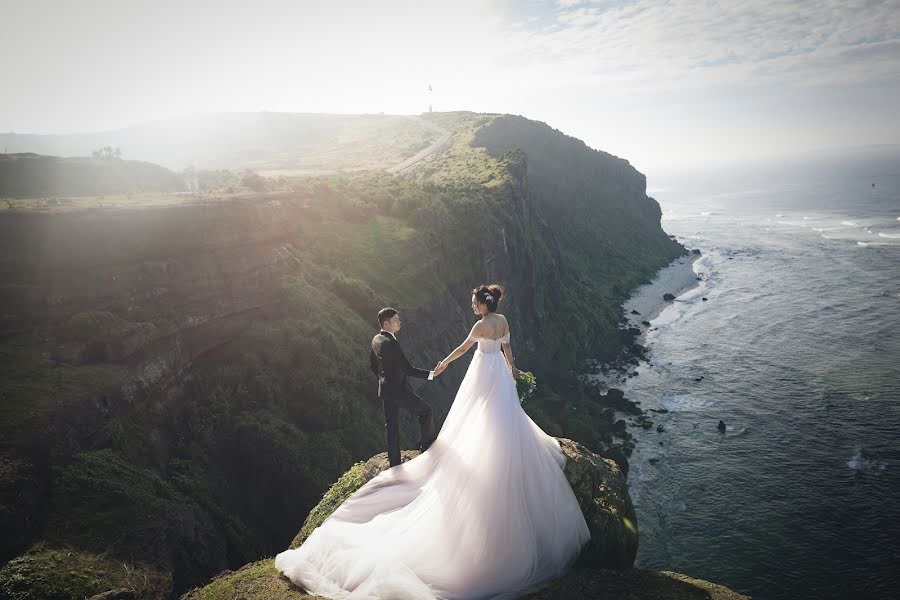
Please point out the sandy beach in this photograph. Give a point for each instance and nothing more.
(676, 279)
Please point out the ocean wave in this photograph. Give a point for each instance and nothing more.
(706, 214)
(821, 229)
(779, 215)
(865, 463)
(893, 236)
(850, 223)
(877, 244)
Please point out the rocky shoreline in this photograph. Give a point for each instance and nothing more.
(602, 381)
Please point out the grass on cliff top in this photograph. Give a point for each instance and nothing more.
(459, 161)
(359, 143)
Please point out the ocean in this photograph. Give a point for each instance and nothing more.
(797, 349)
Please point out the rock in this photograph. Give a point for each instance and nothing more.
(668, 297)
(696, 251)
(660, 428)
(659, 410)
(645, 323)
(616, 454)
(721, 426)
(634, 312)
(704, 299)
(698, 378)
(599, 485)
(261, 581)
(633, 584)
(615, 394)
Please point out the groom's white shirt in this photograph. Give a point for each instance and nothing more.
(430, 373)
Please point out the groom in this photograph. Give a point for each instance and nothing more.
(391, 367)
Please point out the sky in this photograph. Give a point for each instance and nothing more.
(664, 84)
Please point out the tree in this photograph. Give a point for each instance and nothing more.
(107, 153)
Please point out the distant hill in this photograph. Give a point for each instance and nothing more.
(266, 142)
(35, 176)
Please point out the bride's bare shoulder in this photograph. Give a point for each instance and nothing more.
(500, 318)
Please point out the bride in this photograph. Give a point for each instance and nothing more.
(485, 512)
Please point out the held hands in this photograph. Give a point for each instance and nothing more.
(516, 373)
(440, 368)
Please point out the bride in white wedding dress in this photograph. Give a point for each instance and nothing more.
(485, 512)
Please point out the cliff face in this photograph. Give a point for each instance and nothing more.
(182, 381)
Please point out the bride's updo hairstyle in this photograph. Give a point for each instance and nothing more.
(489, 294)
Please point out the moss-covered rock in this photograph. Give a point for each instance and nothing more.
(598, 484)
(261, 581)
(63, 572)
(600, 488)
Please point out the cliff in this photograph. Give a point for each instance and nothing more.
(165, 362)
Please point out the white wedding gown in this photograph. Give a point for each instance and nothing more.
(485, 512)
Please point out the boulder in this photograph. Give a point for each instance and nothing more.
(668, 297)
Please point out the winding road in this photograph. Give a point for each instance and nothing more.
(410, 162)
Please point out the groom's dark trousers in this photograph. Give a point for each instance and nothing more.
(389, 364)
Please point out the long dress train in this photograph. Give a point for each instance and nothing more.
(485, 512)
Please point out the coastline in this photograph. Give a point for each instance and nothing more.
(642, 313)
(677, 278)
(644, 306)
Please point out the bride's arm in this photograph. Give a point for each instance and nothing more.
(459, 351)
(507, 352)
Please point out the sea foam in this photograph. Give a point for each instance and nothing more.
(865, 463)
(681, 402)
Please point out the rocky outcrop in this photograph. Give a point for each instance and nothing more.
(260, 580)
(604, 569)
(598, 483)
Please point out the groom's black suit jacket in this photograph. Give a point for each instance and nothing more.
(389, 364)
